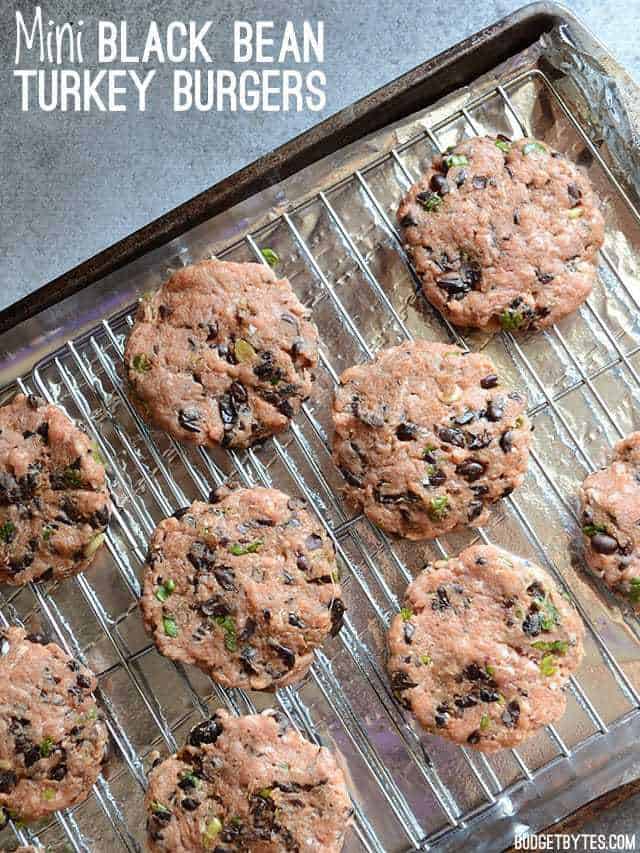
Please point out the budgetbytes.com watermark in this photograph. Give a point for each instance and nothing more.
(579, 842)
(71, 66)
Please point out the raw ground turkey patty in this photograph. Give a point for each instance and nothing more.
(221, 354)
(427, 437)
(610, 502)
(483, 647)
(52, 741)
(245, 588)
(247, 783)
(503, 234)
(54, 505)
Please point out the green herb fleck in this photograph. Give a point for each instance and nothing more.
(95, 452)
(71, 477)
(426, 660)
(634, 590)
(591, 529)
(243, 350)
(270, 257)
(576, 212)
(456, 160)
(191, 777)
(7, 532)
(236, 821)
(551, 617)
(431, 470)
(240, 550)
(265, 793)
(548, 666)
(534, 148)
(429, 449)
(511, 320)
(490, 670)
(46, 747)
(431, 202)
(141, 363)
(438, 507)
(485, 722)
(519, 422)
(519, 613)
(556, 647)
(503, 145)
(164, 590)
(47, 533)
(48, 793)
(228, 625)
(170, 626)
(159, 808)
(212, 829)
(406, 614)
(93, 544)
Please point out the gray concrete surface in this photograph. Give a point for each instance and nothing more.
(72, 184)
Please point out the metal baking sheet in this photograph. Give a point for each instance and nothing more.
(332, 226)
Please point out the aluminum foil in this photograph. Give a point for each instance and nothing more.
(340, 251)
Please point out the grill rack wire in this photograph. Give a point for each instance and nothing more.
(86, 383)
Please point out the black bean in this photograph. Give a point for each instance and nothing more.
(213, 607)
(479, 182)
(31, 755)
(296, 621)
(489, 695)
(187, 782)
(475, 508)
(226, 578)
(238, 393)
(39, 638)
(285, 408)
(408, 221)
(285, 654)
(574, 192)
(351, 478)
(468, 701)
(189, 419)
(532, 624)
(489, 381)
(465, 418)
(473, 672)
(516, 217)
(440, 720)
(461, 177)
(452, 436)
(495, 410)
(479, 441)
(511, 714)
(400, 681)
(454, 285)
(474, 737)
(8, 781)
(506, 441)
(601, 543)
(34, 401)
(201, 556)
(206, 732)
(544, 277)
(100, 518)
(409, 631)
(406, 431)
(313, 542)
(437, 478)
(228, 413)
(439, 184)
(440, 600)
(180, 513)
(302, 563)
(83, 682)
(536, 590)
(58, 772)
(471, 470)
(189, 804)
(337, 609)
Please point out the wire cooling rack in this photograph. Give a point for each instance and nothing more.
(344, 257)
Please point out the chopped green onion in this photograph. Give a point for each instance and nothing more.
(72, 477)
(265, 793)
(456, 160)
(548, 666)
(191, 777)
(510, 320)
(426, 660)
(557, 647)
(591, 529)
(158, 808)
(485, 722)
(490, 670)
(406, 614)
(47, 533)
(634, 590)
(431, 202)
(95, 452)
(270, 257)
(503, 145)
(141, 363)
(94, 543)
(429, 449)
(164, 590)
(551, 616)
(48, 793)
(170, 626)
(7, 532)
(243, 350)
(576, 212)
(46, 747)
(240, 550)
(228, 625)
(211, 831)
(439, 507)
(533, 148)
